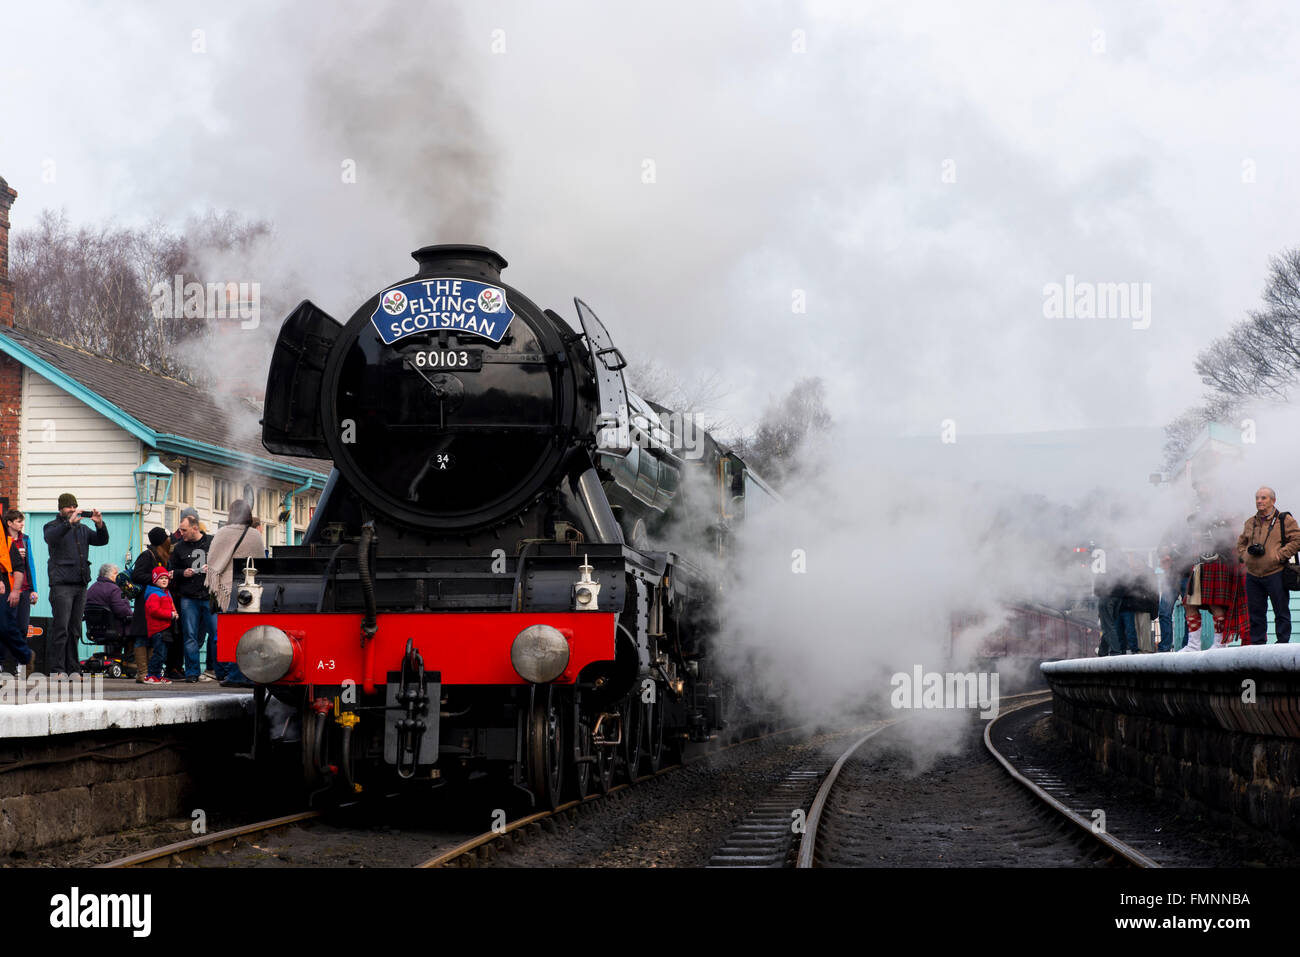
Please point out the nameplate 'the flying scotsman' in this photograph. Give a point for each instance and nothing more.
(455, 304)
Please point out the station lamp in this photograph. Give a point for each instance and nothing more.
(153, 480)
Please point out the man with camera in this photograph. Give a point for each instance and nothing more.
(189, 566)
(69, 544)
(1268, 541)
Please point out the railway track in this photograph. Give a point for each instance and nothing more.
(1042, 785)
(808, 844)
(463, 853)
(482, 847)
(1096, 846)
(388, 833)
(765, 837)
(182, 852)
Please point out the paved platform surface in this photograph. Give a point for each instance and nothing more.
(113, 703)
(121, 689)
(1233, 659)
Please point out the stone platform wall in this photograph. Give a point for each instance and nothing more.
(1217, 728)
(66, 787)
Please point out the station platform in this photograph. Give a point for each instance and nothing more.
(37, 706)
(1219, 729)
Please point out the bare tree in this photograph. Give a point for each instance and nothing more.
(1257, 361)
(90, 286)
(699, 396)
(1180, 433)
(772, 449)
(1260, 356)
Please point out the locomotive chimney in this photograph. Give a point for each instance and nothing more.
(476, 262)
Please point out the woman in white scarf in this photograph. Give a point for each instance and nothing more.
(232, 544)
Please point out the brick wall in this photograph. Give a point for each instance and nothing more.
(11, 407)
(11, 373)
(7, 196)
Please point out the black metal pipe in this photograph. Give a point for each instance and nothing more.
(368, 624)
(325, 578)
(586, 488)
(319, 755)
(346, 758)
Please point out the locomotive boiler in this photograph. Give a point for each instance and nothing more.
(513, 567)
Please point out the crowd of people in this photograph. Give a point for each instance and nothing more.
(183, 581)
(1209, 568)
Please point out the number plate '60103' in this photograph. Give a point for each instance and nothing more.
(470, 360)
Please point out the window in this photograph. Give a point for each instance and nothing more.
(182, 488)
(222, 492)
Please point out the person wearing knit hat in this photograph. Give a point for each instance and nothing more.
(68, 541)
(157, 555)
(160, 615)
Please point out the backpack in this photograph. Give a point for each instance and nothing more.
(1291, 570)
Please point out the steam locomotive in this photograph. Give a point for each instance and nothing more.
(514, 564)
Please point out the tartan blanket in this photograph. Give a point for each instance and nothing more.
(1223, 584)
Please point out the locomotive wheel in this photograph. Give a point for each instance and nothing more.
(312, 779)
(577, 744)
(652, 748)
(545, 748)
(633, 713)
(606, 763)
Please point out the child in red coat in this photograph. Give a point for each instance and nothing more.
(159, 613)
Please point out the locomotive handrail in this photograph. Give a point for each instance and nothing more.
(327, 578)
(622, 362)
(516, 591)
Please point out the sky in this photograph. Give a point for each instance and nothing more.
(875, 194)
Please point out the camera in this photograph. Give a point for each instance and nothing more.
(87, 513)
(1255, 550)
